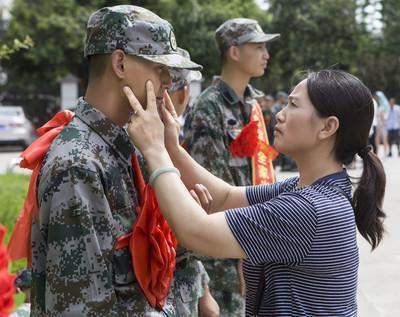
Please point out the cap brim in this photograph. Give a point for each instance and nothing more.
(263, 37)
(173, 60)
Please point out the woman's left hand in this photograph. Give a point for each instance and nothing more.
(145, 127)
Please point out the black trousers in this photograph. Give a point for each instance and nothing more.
(393, 138)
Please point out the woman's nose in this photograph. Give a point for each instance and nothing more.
(280, 116)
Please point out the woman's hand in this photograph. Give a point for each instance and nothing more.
(145, 127)
(171, 123)
(202, 196)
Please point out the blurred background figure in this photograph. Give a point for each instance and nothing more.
(266, 103)
(23, 284)
(393, 126)
(380, 118)
(180, 88)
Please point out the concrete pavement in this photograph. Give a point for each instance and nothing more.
(379, 271)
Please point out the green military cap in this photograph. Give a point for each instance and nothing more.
(240, 31)
(136, 31)
(182, 77)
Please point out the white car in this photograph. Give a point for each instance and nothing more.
(15, 128)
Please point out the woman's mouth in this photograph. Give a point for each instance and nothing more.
(277, 131)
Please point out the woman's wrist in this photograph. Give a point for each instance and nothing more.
(157, 158)
(175, 151)
(173, 148)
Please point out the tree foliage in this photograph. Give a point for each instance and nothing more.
(314, 34)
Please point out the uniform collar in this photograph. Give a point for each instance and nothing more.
(232, 98)
(111, 133)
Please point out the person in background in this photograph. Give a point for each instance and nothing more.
(266, 103)
(23, 284)
(192, 295)
(393, 126)
(381, 115)
(372, 133)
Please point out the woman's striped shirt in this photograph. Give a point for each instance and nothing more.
(304, 239)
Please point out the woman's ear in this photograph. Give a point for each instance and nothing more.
(117, 63)
(329, 128)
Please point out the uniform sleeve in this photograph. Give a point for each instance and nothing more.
(204, 139)
(261, 193)
(77, 279)
(278, 231)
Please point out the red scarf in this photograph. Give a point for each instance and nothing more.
(151, 242)
(252, 142)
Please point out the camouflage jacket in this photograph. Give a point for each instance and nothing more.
(87, 200)
(190, 280)
(212, 123)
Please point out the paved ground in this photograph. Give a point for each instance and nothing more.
(379, 273)
(9, 157)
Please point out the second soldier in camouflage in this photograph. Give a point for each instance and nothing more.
(217, 118)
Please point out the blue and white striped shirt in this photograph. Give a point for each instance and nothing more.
(305, 241)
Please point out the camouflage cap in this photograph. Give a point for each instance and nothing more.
(240, 31)
(136, 31)
(182, 77)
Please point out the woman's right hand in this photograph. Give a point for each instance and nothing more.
(171, 124)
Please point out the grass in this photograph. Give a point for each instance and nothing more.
(13, 189)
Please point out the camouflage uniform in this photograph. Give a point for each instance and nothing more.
(86, 192)
(190, 277)
(182, 77)
(211, 124)
(190, 280)
(87, 200)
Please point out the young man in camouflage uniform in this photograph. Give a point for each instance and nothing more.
(190, 286)
(217, 118)
(86, 192)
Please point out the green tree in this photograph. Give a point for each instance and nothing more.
(314, 34)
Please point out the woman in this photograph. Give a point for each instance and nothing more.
(298, 237)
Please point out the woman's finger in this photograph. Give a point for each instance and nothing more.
(151, 97)
(169, 105)
(166, 116)
(201, 193)
(209, 197)
(135, 104)
(194, 195)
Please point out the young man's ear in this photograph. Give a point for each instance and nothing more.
(329, 128)
(233, 53)
(117, 63)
